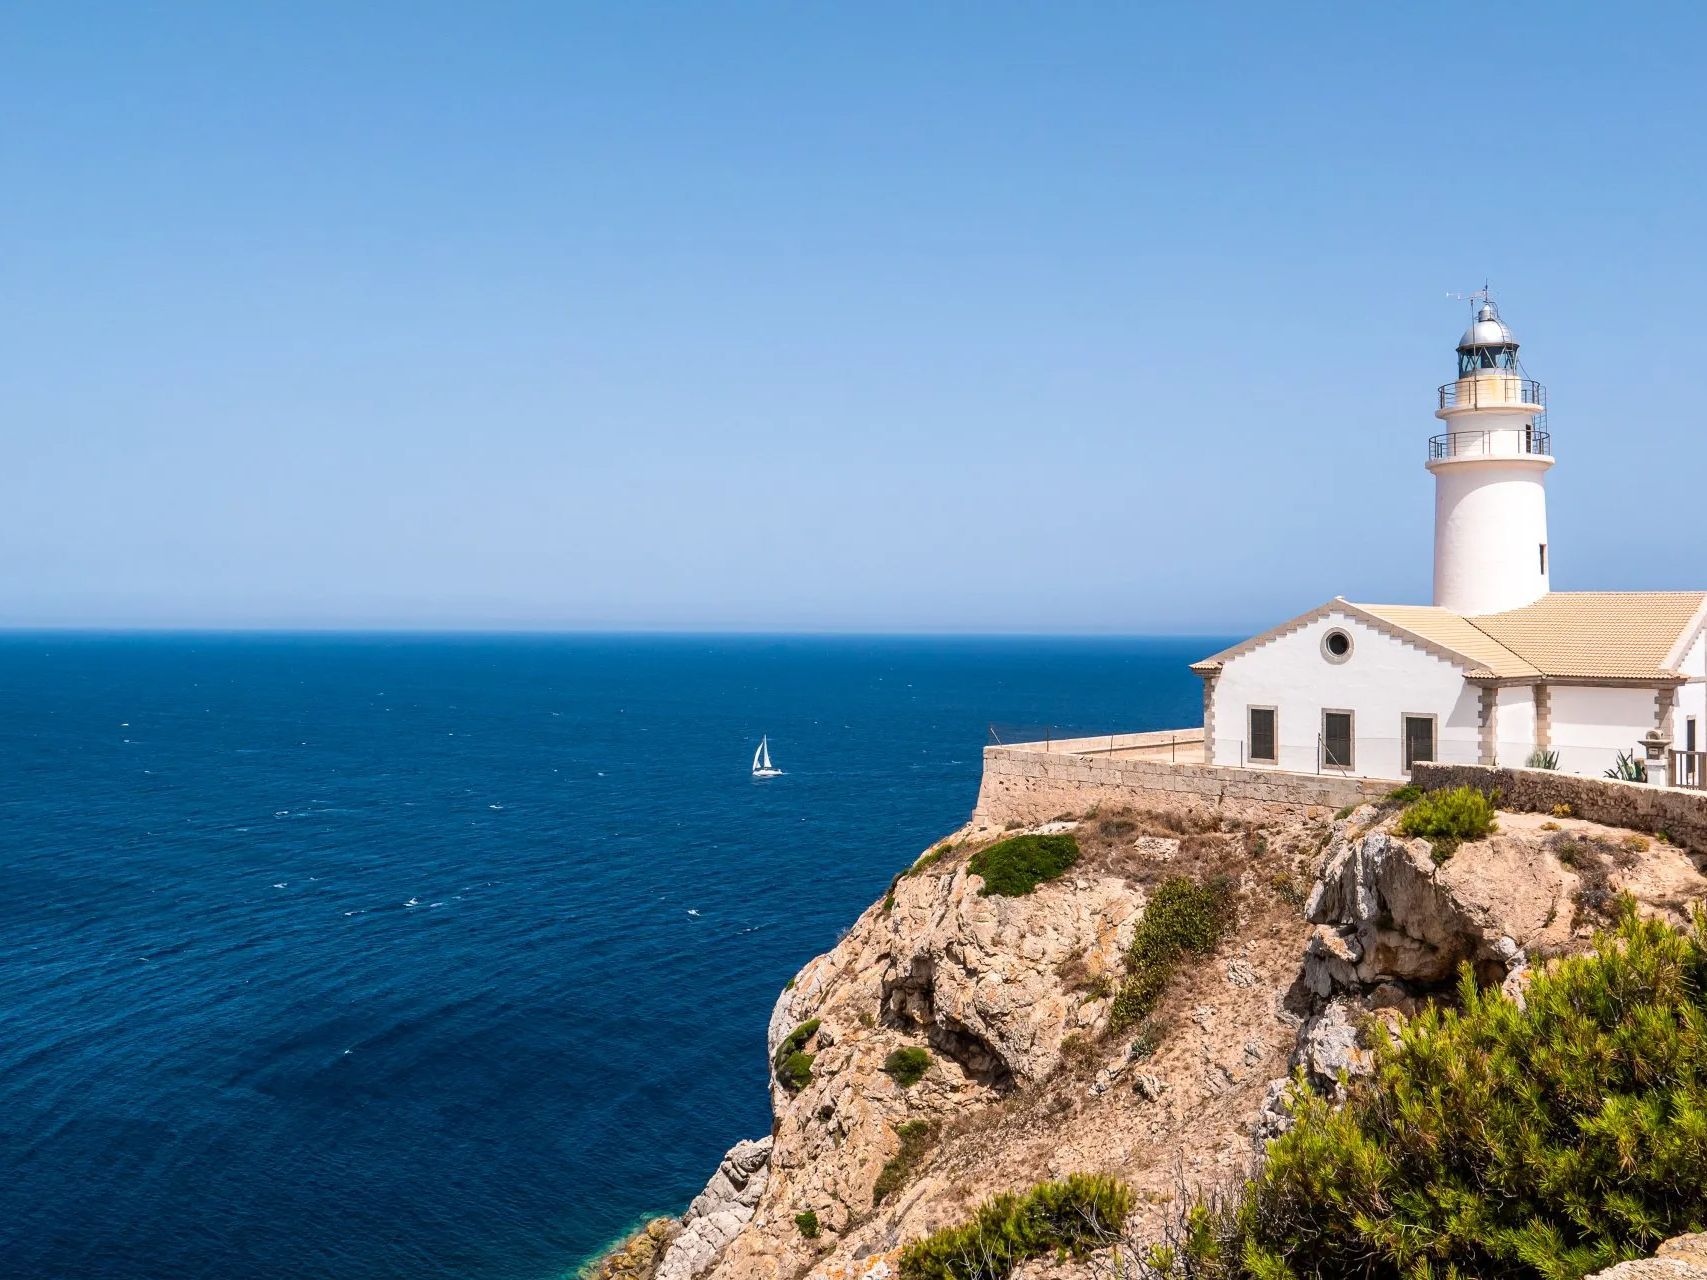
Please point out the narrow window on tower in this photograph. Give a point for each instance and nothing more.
(1543, 559)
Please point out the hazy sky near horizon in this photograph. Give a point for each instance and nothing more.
(1094, 317)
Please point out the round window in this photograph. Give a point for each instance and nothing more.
(1336, 646)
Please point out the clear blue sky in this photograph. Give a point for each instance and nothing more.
(1052, 317)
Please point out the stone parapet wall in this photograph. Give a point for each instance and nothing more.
(1023, 786)
(1680, 814)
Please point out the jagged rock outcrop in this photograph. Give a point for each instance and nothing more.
(719, 1212)
(1390, 926)
(1011, 997)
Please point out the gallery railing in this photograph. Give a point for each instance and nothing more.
(1490, 444)
(1492, 391)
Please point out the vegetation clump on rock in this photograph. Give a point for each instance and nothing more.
(928, 859)
(1182, 918)
(1548, 1139)
(917, 1137)
(1446, 819)
(907, 1066)
(793, 1064)
(1066, 1218)
(807, 1222)
(1013, 867)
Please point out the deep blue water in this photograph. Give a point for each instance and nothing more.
(367, 957)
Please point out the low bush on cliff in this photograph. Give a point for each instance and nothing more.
(927, 860)
(1446, 819)
(1548, 1140)
(1066, 1218)
(1014, 867)
(807, 1223)
(917, 1138)
(907, 1066)
(1182, 918)
(793, 1064)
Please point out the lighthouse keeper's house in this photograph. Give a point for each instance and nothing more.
(1500, 669)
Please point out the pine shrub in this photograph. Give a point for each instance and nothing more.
(1066, 1218)
(1547, 1141)
(907, 1066)
(807, 1222)
(1182, 918)
(1013, 867)
(1446, 819)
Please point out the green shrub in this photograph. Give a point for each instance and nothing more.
(1014, 867)
(928, 859)
(1151, 1034)
(794, 1065)
(1410, 793)
(1344, 813)
(1543, 1141)
(917, 1137)
(1543, 758)
(907, 1066)
(1066, 1218)
(794, 1072)
(1183, 918)
(808, 1224)
(1446, 819)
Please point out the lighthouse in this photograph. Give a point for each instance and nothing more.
(1490, 476)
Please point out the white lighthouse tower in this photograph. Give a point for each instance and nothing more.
(1490, 476)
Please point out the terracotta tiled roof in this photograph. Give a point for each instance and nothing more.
(1455, 632)
(1584, 635)
(1616, 635)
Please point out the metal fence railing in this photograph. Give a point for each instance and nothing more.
(1179, 746)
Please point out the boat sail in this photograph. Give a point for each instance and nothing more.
(762, 767)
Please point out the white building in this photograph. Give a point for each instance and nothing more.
(1499, 667)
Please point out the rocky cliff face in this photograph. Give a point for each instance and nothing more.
(1342, 926)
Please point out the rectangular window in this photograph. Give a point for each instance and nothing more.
(1543, 559)
(1264, 747)
(1689, 734)
(1419, 740)
(1336, 740)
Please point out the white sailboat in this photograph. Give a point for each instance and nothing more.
(762, 767)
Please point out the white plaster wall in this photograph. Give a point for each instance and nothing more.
(1383, 679)
(1591, 725)
(1490, 519)
(1692, 697)
(1515, 725)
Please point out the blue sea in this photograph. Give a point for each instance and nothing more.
(382, 956)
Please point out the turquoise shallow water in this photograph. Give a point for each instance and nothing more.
(379, 957)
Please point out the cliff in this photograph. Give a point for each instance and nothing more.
(956, 1043)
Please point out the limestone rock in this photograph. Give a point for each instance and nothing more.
(1274, 1113)
(719, 1212)
(1680, 1258)
(1328, 1044)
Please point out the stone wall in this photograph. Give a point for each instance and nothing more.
(1682, 815)
(1027, 785)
